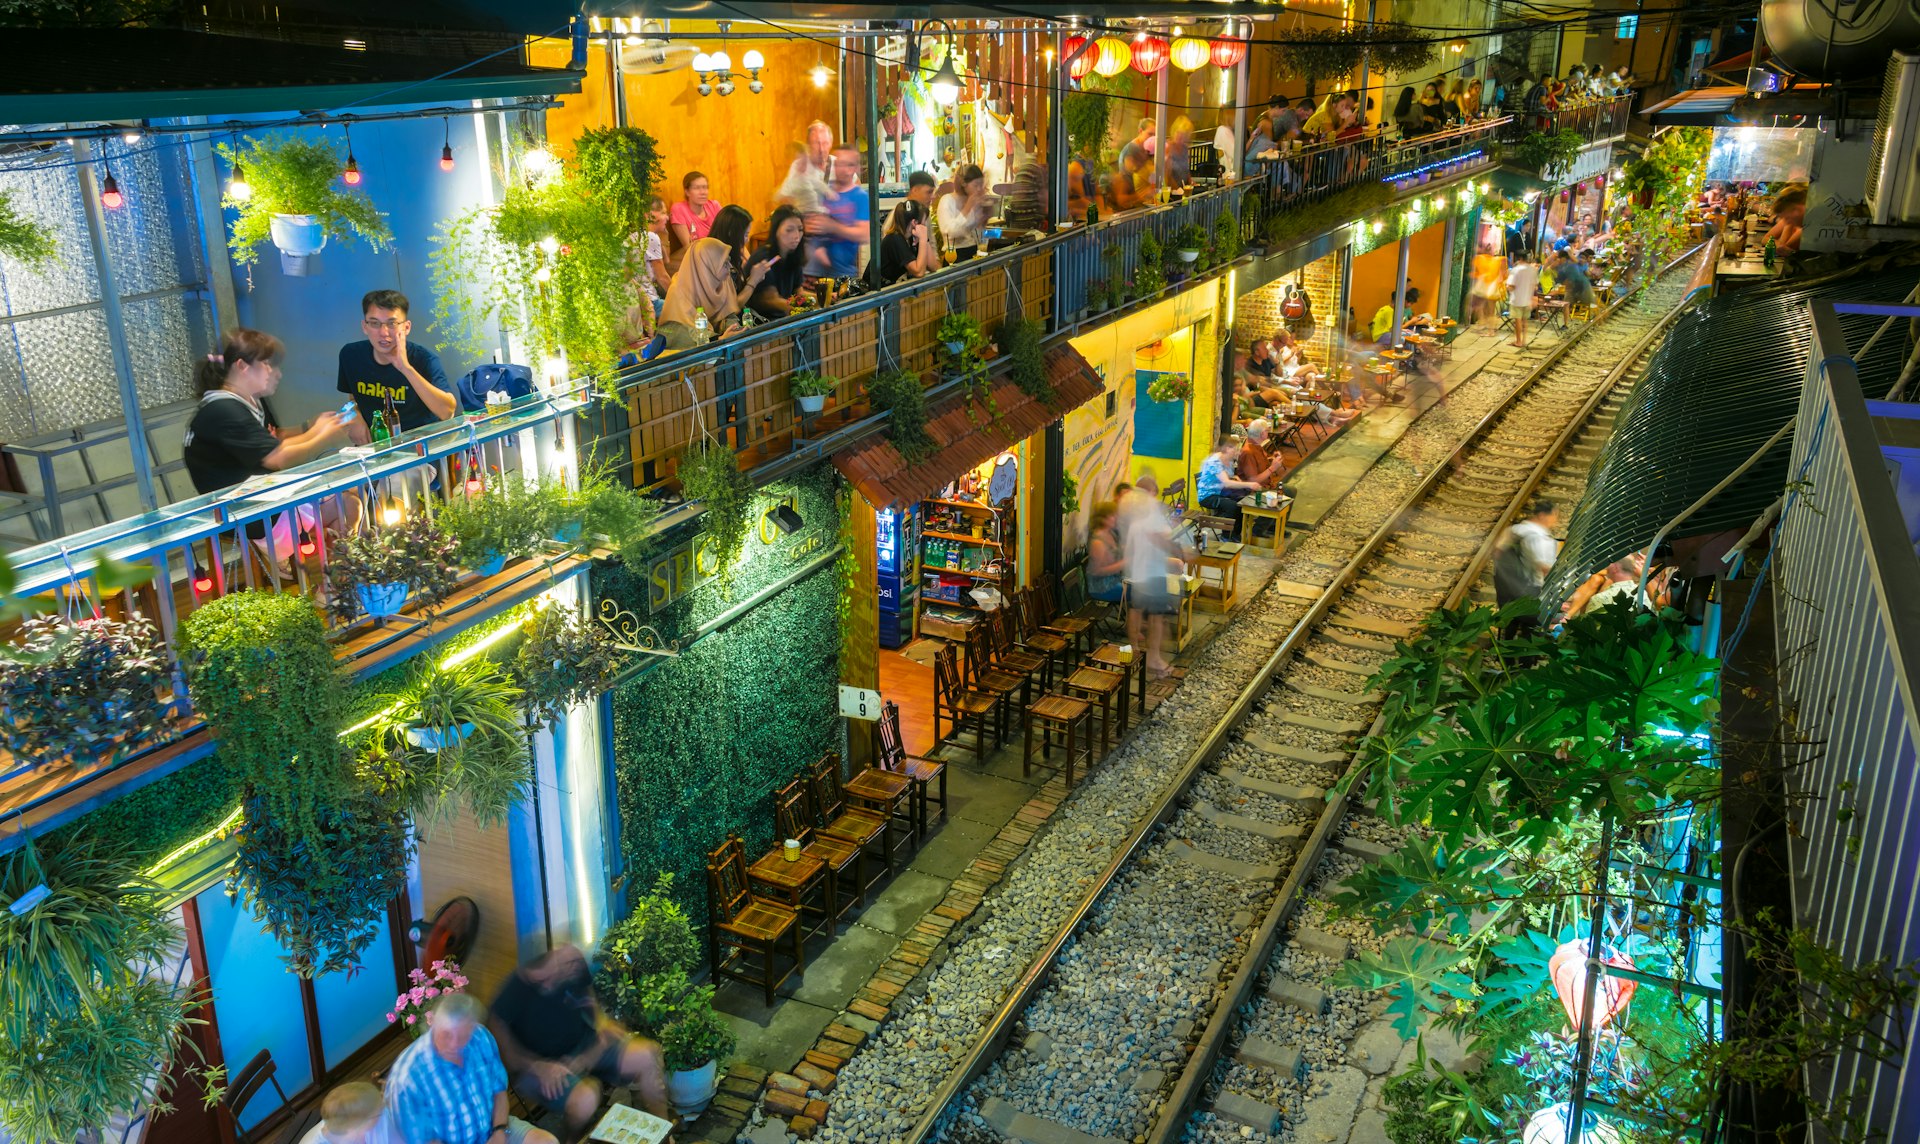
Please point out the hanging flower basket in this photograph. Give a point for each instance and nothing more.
(1170, 387)
(438, 738)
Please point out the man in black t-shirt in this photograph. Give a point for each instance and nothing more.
(562, 1049)
(389, 375)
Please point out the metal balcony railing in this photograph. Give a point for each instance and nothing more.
(1848, 621)
(1597, 120)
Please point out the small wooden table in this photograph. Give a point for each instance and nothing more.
(1219, 592)
(790, 884)
(1277, 514)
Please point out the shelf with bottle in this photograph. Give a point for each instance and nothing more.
(980, 540)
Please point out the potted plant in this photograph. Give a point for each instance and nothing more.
(284, 190)
(378, 570)
(454, 735)
(81, 690)
(562, 661)
(410, 1009)
(601, 508)
(1171, 387)
(1189, 241)
(1150, 277)
(810, 389)
(489, 527)
(903, 397)
(693, 1046)
(959, 333)
(1097, 296)
(712, 476)
(654, 941)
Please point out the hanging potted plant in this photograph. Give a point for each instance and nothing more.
(1189, 241)
(379, 570)
(1171, 387)
(447, 706)
(1097, 296)
(454, 737)
(562, 661)
(81, 690)
(694, 1045)
(489, 527)
(810, 389)
(283, 189)
(711, 475)
(959, 333)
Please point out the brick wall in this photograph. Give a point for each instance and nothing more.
(1257, 312)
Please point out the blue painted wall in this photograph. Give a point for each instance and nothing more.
(316, 315)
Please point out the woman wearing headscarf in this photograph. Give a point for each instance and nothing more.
(712, 280)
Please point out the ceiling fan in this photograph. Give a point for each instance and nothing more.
(644, 52)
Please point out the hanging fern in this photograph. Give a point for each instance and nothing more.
(711, 475)
(622, 165)
(1399, 48)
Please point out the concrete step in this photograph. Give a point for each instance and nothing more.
(1231, 867)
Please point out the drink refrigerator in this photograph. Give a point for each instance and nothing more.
(897, 558)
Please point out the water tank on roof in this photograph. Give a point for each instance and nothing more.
(1829, 39)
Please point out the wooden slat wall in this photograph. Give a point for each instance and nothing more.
(987, 301)
(1036, 287)
(849, 351)
(860, 643)
(769, 409)
(919, 324)
(459, 859)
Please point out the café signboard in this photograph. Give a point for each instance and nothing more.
(674, 573)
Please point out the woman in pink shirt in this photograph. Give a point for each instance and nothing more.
(689, 221)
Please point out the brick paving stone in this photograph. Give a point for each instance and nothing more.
(867, 1009)
(819, 1079)
(803, 1126)
(822, 1060)
(785, 1103)
(786, 1082)
(818, 1110)
(846, 1035)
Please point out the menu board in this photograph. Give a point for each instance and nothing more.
(623, 1125)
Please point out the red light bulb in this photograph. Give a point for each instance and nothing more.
(351, 176)
(446, 157)
(307, 545)
(110, 196)
(475, 486)
(202, 583)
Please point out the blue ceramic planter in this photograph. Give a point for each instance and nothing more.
(382, 600)
(491, 566)
(438, 738)
(567, 533)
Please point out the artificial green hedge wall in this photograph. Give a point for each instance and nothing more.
(701, 742)
(162, 816)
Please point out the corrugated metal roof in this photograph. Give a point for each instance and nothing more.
(64, 76)
(1727, 378)
(967, 437)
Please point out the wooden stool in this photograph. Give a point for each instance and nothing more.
(745, 925)
(1129, 665)
(1276, 515)
(793, 818)
(1102, 685)
(923, 772)
(799, 885)
(1063, 717)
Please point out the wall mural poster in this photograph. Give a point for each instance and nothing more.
(1098, 451)
(1159, 427)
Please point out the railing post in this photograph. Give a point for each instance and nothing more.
(116, 322)
(1240, 73)
(1400, 291)
(873, 167)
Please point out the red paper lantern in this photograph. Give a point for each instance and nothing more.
(1228, 51)
(1082, 67)
(1149, 55)
(1568, 968)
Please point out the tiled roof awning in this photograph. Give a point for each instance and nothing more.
(885, 478)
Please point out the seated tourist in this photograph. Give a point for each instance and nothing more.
(450, 1087)
(1256, 464)
(562, 1047)
(351, 1114)
(1217, 488)
(1106, 556)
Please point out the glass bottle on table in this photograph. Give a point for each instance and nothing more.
(377, 428)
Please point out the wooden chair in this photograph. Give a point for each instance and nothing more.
(959, 706)
(1054, 619)
(746, 925)
(881, 790)
(1009, 656)
(1074, 598)
(858, 825)
(922, 772)
(1174, 496)
(247, 1083)
(1034, 638)
(1007, 688)
(793, 817)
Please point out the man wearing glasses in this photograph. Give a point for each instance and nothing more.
(389, 375)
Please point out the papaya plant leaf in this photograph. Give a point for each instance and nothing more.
(1520, 974)
(1415, 885)
(1419, 975)
(113, 575)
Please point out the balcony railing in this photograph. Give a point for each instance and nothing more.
(1849, 650)
(1597, 120)
(272, 536)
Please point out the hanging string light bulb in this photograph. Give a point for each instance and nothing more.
(110, 196)
(446, 147)
(238, 188)
(351, 175)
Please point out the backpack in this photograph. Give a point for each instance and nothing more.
(1512, 578)
(516, 381)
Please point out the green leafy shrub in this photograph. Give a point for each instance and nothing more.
(653, 941)
(260, 671)
(21, 238)
(1029, 363)
(903, 397)
(1551, 153)
(322, 898)
(489, 525)
(1150, 276)
(1192, 236)
(1286, 226)
(293, 175)
(697, 1035)
(1226, 236)
(622, 165)
(87, 1019)
(808, 383)
(711, 474)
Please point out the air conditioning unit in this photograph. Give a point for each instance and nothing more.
(1893, 175)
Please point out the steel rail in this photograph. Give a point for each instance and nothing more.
(999, 1027)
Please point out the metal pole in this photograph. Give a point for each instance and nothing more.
(1057, 157)
(1160, 128)
(1366, 58)
(1240, 93)
(1583, 1055)
(1400, 291)
(618, 81)
(872, 69)
(204, 179)
(1444, 304)
(1346, 296)
(116, 322)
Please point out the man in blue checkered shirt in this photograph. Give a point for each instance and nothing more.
(449, 1086)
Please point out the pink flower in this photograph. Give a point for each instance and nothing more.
(392, 1017)
(410, 1018)
(459, 983)
(418, 993)
(437, 965)
(432, 991)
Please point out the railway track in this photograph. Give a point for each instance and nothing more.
(1091, 996)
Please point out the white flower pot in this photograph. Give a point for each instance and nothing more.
(437, 738)
(298, 238)
(1188, 255)
(691, 1091)
(812, 402)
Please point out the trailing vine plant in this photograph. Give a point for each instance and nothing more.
(622, 165)
(294, 175)
(1029, 363)
(562, 661)
(962, 353)
(711, 474)
(1150, 275)
(903, 397)
(21, 238)
(1551, 153)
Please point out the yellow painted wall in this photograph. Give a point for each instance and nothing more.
(1373, 272)
(1099, 448)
